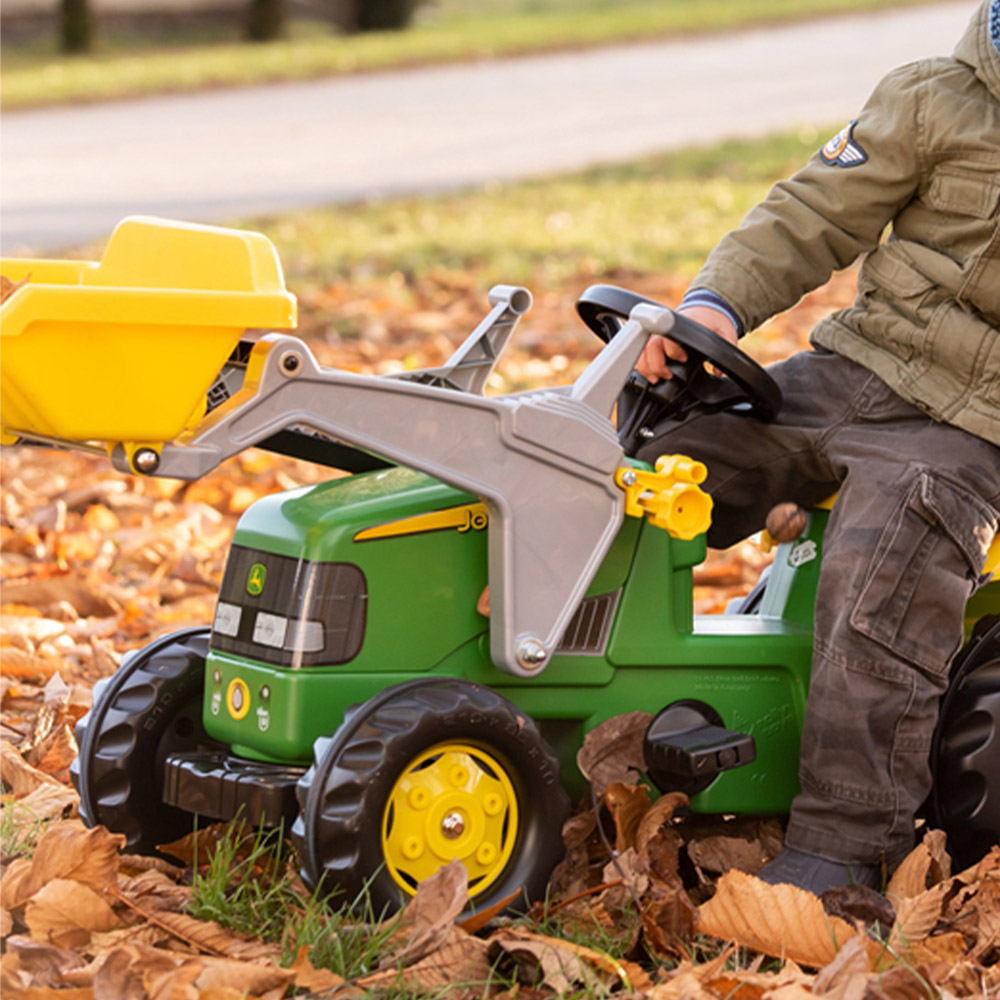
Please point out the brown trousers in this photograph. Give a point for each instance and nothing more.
(904, 549)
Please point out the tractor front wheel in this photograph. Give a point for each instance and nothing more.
(424, 773)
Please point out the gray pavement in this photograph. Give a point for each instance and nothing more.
(69, 174)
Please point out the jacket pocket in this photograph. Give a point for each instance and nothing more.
(897, 300)
(965, 192)
(924, 569)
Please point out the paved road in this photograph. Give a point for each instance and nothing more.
(70, 174)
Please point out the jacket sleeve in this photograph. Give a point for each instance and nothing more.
(833, 209)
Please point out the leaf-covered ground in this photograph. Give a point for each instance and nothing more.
(95, 563)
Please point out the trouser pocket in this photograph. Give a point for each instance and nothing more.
(923, 571)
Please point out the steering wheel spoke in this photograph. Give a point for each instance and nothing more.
(693, 389)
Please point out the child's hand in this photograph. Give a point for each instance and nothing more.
(652, 364)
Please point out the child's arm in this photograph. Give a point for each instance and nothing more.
(830, 211)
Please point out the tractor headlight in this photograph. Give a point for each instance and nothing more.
(227, 618)
(290, 612)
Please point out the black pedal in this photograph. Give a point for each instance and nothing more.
(686, 746)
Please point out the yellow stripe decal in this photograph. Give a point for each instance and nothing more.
(468, 517)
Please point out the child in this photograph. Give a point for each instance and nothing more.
(898, 408)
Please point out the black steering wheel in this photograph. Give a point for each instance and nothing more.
(742, 384)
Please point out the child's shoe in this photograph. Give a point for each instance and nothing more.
(816, 874)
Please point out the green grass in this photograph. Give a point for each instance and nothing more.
(18, 834)
(448, 30)
(662, 215)
(248, 885)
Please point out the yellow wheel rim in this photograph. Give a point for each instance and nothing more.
(453, 801)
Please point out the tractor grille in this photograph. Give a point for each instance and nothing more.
(290, 612)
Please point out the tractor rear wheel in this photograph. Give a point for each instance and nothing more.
(149, 708)
(965, 758)
(424, 773)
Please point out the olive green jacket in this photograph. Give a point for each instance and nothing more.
(923, 156)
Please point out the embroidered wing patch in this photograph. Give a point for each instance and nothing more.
(842, 150)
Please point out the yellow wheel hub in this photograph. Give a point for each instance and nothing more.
(453, 801)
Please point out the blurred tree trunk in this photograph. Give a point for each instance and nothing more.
(76, 26)
(265, 20)
(385, 15)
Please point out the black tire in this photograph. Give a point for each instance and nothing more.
(965, 758)
(149, 708)
(344, 798)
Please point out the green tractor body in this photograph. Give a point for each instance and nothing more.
(403, 560)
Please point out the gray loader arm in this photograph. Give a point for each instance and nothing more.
(542, 461)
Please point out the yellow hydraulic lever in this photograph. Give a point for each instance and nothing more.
(670, 497)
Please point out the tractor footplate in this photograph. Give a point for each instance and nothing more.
(216, 784)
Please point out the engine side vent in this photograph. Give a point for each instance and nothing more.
(589, 628)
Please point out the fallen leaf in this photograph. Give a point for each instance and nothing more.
(72, 851)
(45, 802)
(66, 913)
(311, 979)
(427, 919)
(46, 963)
(8, 287)
(628, 804)
(460, 958)
(612, 751)
(779, 920)
(926, 865)
(668, 920)
(18, 774)
(857, 902)
(723, 854)
(846, 974)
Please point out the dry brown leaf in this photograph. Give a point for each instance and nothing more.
(25, 665)
(210, 937)
(916, 916)
(668, 920)
(926, 865)
(426, 921)
(612, 751)
(459, 960)
(779, 920)
(901, 983)
(18, 775)
(628, 804)
(72, 851)
(197, 848)
(8, 287)
(56, 752)
(846, 975)
(308, 977)
(562, 963)
(66, 913)
(723, 854)
(988, 912)
(45, 963)
(45, 802)
(153, 890)
(659, 815)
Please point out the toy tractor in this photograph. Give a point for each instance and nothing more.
(348, 686)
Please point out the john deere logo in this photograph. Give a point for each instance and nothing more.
(255, 579)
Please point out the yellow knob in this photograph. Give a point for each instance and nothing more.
(459, 775)
(413, 847)
(486, 854)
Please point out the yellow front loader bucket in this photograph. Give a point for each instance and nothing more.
(125, 350)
